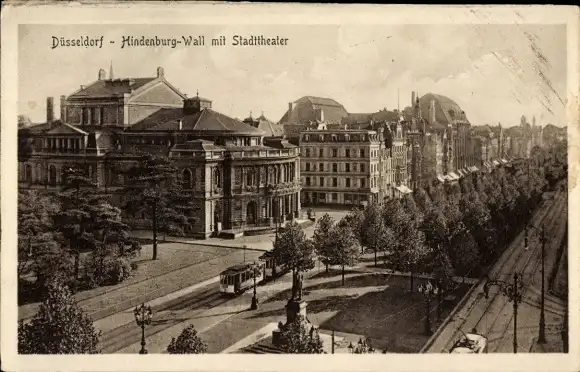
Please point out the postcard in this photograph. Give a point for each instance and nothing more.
(258, 183)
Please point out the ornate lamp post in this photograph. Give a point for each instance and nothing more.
(429, 291)
(143, 317)
(362, 347)
(255, 272)
(514, 294)
(542, 231)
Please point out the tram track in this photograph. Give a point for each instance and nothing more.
(167, 316)
(555, 226)
(509, 260)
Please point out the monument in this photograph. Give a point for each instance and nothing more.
(296, 307)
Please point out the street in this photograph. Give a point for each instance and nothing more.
(493, 317)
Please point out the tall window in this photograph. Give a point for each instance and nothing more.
(102, 115)
(334, 153)
(363, 182)
(348, 182)
(347, 153)
(362, 167)
(307, 181)
(321, 153)
(334, 182)
(321, 181)
(321, 167)
(334, 167)
(347, 167)
(362, 153)
(307, 152)
(307, 167)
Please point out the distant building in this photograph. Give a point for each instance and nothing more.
(309, 109)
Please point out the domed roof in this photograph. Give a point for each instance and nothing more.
(446, 109)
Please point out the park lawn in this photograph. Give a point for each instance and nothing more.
(178, 266)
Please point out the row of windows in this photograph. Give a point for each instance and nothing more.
(311, 167)
(348, 153)
(348, 182)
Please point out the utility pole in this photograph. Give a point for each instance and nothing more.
(542, 335)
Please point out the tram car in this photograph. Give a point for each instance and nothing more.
(272, 270)
(236, 279)
(470, 343)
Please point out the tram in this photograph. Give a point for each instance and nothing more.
(272, 269)
(236, 279)
(470, 343)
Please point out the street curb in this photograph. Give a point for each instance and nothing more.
(457, 307)
(214, 245)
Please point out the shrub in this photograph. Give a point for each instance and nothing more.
(188, 342)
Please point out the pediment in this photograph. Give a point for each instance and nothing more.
(64, 128)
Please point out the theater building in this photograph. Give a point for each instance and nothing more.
(239, 178)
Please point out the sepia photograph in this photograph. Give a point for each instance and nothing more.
(253, 188)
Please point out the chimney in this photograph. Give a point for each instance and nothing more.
(63, 108)
(180, 124)
(82, 87)
(290, 109)
(49, 110)
(102, 75)
(320, 115)
(160, 72)
(413, 99)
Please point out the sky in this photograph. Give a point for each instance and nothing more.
(496, 73)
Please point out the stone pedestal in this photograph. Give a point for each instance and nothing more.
(294, 309)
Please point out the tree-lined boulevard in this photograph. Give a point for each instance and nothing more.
(78, 240)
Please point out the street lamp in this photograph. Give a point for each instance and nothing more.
(362, 347)
(429, 291)
(542, 231)
(514, 293)
(143, 317)
(255, 271)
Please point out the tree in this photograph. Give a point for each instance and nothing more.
(147, 190)
(373, 229)
(59, 327)
(78, 198)
(294, 250)
(113, 245)
(35, 214)
(25, 144)
(188, 342)
(321, 241)
(345, 251)
(298, 339)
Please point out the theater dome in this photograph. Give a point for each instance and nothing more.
(446, 111)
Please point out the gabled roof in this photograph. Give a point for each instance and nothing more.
(269, 128)
(113, 87)
(64, 128)
(206, 121)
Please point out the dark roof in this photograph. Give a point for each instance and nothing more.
(269, 128)
(443, 106)
(294, 130)
(101, 88)
(206, 121)
(333, 111)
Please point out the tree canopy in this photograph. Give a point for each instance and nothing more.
(188, 342)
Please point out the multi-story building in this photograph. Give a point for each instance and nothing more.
(340, 166)
(237, 177)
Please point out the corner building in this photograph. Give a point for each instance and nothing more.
(238, 178)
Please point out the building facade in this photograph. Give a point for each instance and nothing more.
(340, 166)
(238, 178)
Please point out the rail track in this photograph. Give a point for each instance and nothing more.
(514, 259)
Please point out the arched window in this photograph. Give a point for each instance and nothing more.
(52, 175)
(38, 173)
(217, 177)
(187, 179)
(27, 173)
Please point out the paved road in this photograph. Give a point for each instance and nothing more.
(493, 317)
